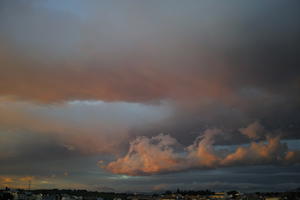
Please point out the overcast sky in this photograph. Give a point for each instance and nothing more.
(150, 95)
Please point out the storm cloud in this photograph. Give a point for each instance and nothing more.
(88, 81)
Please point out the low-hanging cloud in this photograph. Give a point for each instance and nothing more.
(103, 126)
(159, 154)
(253, 131)
(148, 156)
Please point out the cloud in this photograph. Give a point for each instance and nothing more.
(60, 57)
(147, 156)
(156, 155)
(70, 127)
(15, 181)
(26, 178)
(160, 187)
(271, 152)
(93, 76)
(6, 179)
(202, 153)
(37, 182)
(212, 70)
(253, 131)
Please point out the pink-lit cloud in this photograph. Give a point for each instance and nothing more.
(157, 155)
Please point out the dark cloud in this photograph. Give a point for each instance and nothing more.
(238, 63)
(208, 59)
(198, 65)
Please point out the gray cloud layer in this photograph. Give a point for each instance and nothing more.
(180, 68)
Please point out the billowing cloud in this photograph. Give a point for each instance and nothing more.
(253, 131)
(148, 155)
(157, 155)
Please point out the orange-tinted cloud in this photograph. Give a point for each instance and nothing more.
(157, 155)
(26, 178)
(6, 179)
(16, 181)
(139, 81)
(253, 131)
(147, 156)
(160, 187)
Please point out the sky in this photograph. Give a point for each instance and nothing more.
(148, 96)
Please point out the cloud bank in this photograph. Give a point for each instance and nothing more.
(158, 154)
(191, 54)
